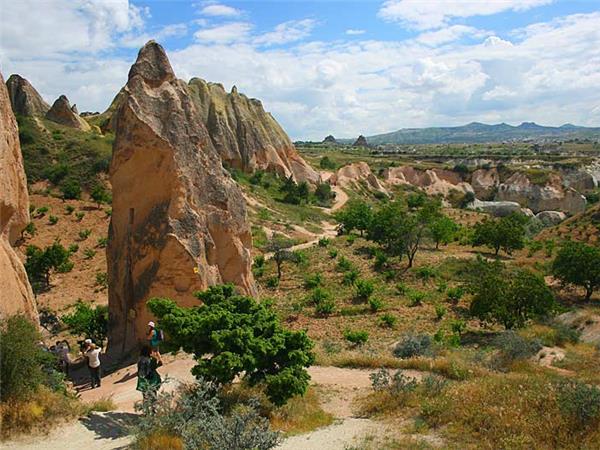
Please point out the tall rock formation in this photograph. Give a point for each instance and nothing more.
(361, 141)
(24, 99)
(16, 295)
(329, 139)
(178, 220)
(63, 113)
(245, 135)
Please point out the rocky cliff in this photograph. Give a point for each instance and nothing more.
(432, 181)
(355, 176)
(15, 292)
(245, 135)
(63, 113)
(361, 141)
(24, 99)
(551, 196)
(179, 221)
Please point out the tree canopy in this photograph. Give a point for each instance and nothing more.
(234, 335)
(578, 264)
(506, 233)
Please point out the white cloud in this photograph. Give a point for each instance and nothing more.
(286, 32)
(449, 34)
(214, 9)
(227, 33)
(355, 32)
(428, 14)
(132, 40)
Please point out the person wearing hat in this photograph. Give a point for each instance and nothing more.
(153, 337)
(92, 354)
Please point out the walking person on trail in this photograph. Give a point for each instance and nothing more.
(64, 360)
(92, 353)
(149, 380)
(154, 337)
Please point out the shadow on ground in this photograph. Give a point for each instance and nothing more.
(110, 425)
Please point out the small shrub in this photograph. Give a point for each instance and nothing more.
(458, 326)
(30, 229)
(415, 298)
(579, 402)
(513, 347)
(356, 337)
(272, 282)
(396, 384)
(344, 264)
(387, 320)
(425, 273)
(442, 287)
(440, 312)
(350, 277)
(313, 281)
(84, 234)
(69, 209)
(433, 385)
(381, 260)
(454, 294)
(102, 242)
(402, 288)
(73, 248)
(350, 239)
(89, 253)
(324, 242)
(413, 345)
(79, 215)
(325, 307)
(375, 304)
(52, 220)
(102, 280)
(108, 212)
(364, 289)
(41, 211)
(333, 253)
(319, 295)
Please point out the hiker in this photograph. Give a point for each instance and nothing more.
(64, 360)
(92, 353)
(153, 337)
(149, 380)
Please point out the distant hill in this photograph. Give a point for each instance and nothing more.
(476, 132)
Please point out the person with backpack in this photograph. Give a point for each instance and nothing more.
(154, 337)
(149, 380)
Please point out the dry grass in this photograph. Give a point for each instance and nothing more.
(159, 440)
(103, 404)
(300, 414)
(36, 414)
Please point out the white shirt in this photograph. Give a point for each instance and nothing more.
(93, 357)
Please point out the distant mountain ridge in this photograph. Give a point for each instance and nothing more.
(476, 132)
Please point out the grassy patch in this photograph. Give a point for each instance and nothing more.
(300, 414)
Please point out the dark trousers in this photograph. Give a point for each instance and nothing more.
(95, 376)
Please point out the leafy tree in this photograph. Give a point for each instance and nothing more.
(89, 322)
(326, 163)
(40, 263)
(71, 189)
(356, 215)
(100, 195)
(442, 230)
(280, 247)
(323, 192)
(506, 233)
(509, 297)
(578, 264)
(295, 194)
(24, 366)
(234, 335)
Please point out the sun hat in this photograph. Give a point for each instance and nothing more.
(88, 341)
(151, 324)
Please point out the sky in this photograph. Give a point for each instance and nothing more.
(327, 67)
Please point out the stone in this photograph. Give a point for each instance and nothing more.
(361, 141)
(62, 113)
(550, 218)
(355, 176)
(433, 181)
(246, 136)
(24, 99)
(16, 296)
(178, 221)
(497, 209)
(329, 140)
(485, 182)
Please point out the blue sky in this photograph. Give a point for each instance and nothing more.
(345, 68)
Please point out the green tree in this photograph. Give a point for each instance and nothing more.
(293, 193)
(506, 233)
(578, 264)
(356, 215)
(323, 193)
(89, 322)
(442, 230)
(100, 195)
(71, 189)
(280, 246)
(509, 297)
(40, 263)
(234, 335)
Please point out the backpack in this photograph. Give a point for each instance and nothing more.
(160, 335)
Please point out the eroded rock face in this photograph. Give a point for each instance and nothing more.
(552, 196)
(16, 295)
(179, 221)
(497, 209)
(24, 99)
(433, 181)
(485, 182)
(245, 135)
(62, 112)
(353, 175)
(551, 218)
(329, 140)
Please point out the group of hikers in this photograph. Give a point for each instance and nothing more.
(148, 378)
